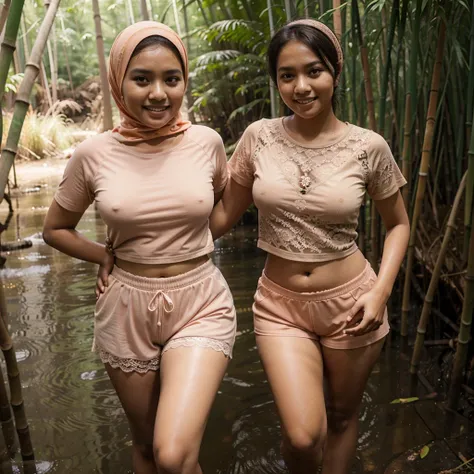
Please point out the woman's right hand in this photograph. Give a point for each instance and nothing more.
(105, 269)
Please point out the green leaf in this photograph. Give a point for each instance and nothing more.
(404, 400)
(424, 452)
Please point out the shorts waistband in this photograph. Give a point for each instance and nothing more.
(168, 283)
(318, 295)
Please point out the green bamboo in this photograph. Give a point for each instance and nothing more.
(466, 323)
(22, 100)
(387, 66)
(423, 173)
(4, 14)
(411, 104)
(469, 121)
(16, 395)
(433, 286)
(9, 42)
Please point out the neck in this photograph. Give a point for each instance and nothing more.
(310, 129)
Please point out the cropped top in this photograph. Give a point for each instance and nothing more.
(156, 205)
(320, 225)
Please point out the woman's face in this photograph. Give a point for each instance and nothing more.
(153, 87)
(305, 84)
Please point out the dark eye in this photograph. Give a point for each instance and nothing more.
(286, 76)
(173, 80)
(140, 79)
(315, 72)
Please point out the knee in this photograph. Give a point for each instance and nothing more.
(173, 458)
(340, 420)
(301, 441)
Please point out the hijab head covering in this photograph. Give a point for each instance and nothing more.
(131, 129)
(332, 37)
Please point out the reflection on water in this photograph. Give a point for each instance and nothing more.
(76, 422)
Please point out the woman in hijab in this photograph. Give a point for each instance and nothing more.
(164, 320)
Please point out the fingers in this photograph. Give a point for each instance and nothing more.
(367, 324)
(356, 310)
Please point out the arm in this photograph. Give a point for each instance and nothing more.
(60, 232)
(370, 307)
(235, 200)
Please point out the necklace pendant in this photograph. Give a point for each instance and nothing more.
(303, 191)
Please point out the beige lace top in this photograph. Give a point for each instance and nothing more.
(320, 225)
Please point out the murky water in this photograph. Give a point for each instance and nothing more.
(76, 421)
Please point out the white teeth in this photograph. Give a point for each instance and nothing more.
(157, 110)
(307, 101)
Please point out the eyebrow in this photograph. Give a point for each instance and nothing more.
(314, 63)
(147, 71)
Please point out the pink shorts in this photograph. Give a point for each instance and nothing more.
(320, 315)
(139, 318)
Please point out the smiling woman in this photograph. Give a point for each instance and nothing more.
(154, 84)
(164, 319)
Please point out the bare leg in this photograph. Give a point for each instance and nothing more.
(139, 395)
(190, 378)
(347, 373)
(294, 369)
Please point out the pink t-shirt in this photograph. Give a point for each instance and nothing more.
(320, 225)
(156, 205)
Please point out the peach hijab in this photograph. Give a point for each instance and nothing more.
(130, 129)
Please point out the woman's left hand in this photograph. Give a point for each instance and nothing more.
(367, 313)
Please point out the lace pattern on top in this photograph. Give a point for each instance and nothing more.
(305, 233)
(321, 163)
(206, 342)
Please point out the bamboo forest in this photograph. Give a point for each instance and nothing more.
(408, 75)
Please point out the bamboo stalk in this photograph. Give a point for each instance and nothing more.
(469, 121)
(336, 5)
(433, 286)
(16, 396)
(22, 99)
(423, 173)
(465, 327)
(9, 42)
(4, 14)
(104, 83)
(144, 10)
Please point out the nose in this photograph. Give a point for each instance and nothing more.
(302, 84)
(157, 92)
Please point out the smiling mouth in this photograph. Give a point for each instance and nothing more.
(156, 109)
(305, 101)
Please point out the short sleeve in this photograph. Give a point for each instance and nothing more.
(220, 174)
(75, 192)
(385, 177)
(241, 165)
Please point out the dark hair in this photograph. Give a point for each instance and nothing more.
(156, 40)
(311, 37)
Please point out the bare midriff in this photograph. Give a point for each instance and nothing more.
(312, 276)
(161, 270)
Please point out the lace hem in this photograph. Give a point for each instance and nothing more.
(128, 365)
(218, 346)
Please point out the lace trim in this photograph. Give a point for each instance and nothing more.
(128, 365)
(321, 163)
(218, 346)
(382, 177)
(305, 233)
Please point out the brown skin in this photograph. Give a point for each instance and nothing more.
(298, 393)
(167, 410)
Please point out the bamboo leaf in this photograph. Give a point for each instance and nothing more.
(404, 400)
(424, 452)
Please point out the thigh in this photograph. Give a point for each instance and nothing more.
(347, 372)
(190, 378)
(139, 394)
(294, 368)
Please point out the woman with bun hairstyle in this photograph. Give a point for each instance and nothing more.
(164, 321)
(320, 309)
